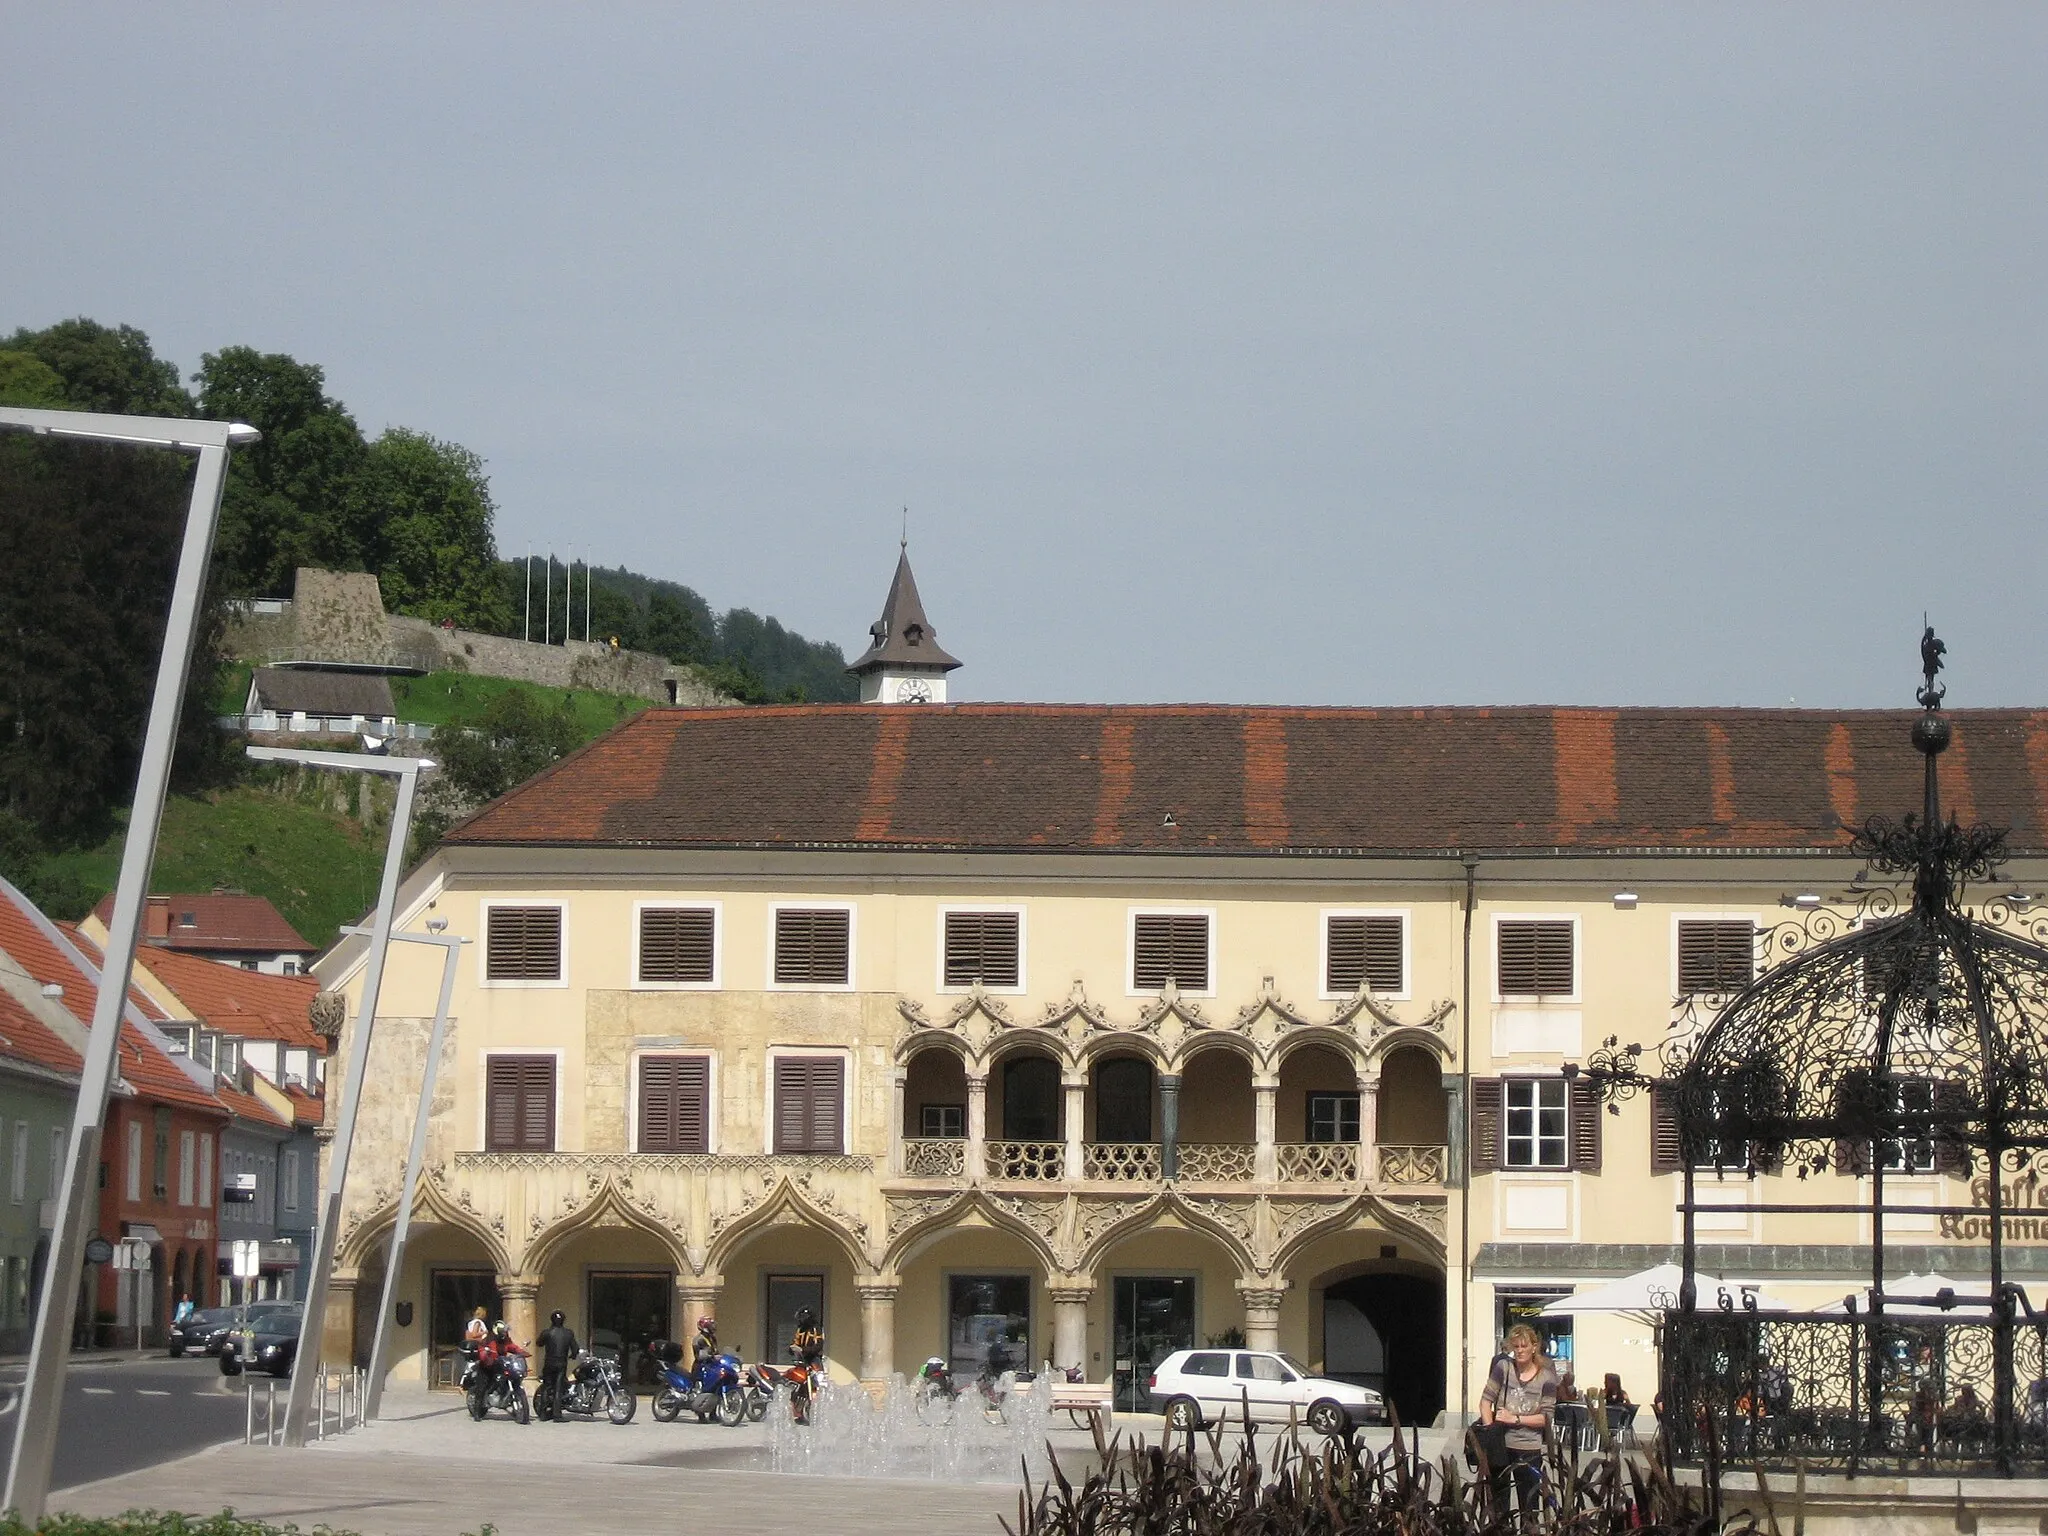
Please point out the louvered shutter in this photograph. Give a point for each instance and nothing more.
(827, 1092)
(1666, 1155)
(792, 1103)
(1951, 1114)
(523, 943)
(1170, 946)
(677, 943)
(1585, 1109)
(1363, 949)
(1535, 959)
(813, 947)
(675, 1096)
(1853, 1098)
(809, 1098)
(1715, 956)
(981, 946)
(519, 1114)
(1486, 1101)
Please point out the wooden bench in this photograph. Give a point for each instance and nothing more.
(1085, 1402)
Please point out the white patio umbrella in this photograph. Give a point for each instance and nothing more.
(1648, 1294)
(1972, 1297)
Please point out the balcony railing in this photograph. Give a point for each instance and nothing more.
(1316, 1162)
(1121, 1162)
(1411, 1165)
(1035, 1160)
(1218, 1162)
(935, 1158)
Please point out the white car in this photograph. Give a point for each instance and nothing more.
(1202, 1386)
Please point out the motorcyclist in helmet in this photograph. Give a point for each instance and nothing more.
(704, 1346)
(808, 1346)
(558, 1347)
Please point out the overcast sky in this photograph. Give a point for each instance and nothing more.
(1614, 354)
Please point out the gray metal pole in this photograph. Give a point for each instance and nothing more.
(373, 1397)
(298, 1404)
(42, 1397)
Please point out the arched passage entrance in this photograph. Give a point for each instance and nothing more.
(1385, 1329)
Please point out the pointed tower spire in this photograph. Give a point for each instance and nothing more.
(903, 663)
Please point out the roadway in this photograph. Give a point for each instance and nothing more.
(128, 1415)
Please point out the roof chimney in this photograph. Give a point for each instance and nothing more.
(156, 920)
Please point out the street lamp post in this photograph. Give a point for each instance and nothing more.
(451, 951)
(305, 1372)
(42, 1397)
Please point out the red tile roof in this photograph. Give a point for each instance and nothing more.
(251, 1004)
(246, 1106)
(24, 1037)
(307, 1108)
(219, 920)
(1202, 778)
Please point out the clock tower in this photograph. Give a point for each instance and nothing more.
(903, 663)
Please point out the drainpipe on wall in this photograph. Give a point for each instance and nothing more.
(1460, 1150)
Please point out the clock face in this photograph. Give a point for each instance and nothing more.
(913, 691)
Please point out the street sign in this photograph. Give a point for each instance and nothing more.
(98, 1250)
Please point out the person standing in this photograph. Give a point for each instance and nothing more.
(557, 1346)
(1521, 1395)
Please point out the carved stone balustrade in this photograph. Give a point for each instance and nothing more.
(935, 1158)
(1037, 1161)
(1122, 1162)
(1218, 1162)
(1411, 1165)
(1317, 1162)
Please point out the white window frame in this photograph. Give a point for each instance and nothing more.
(846, 1093)
(1506, 1109)
(131, 1173)
(852, 911)
(207, 1170)
(60, 1143)
(18, 1175)
(717, 981)
(1407, 917)
(939, 960)
(1532, 1000)
(711, 1117)
(1131, 916)
(483, 1089)
(483, 956)
(1752, 917)
(188, 1164)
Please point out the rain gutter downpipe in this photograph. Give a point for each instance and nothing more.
(1463, 1151)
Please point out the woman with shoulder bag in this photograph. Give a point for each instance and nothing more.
(1515, 1412)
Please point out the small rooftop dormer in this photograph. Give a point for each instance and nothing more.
(903, 663)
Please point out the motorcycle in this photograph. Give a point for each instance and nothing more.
(595, 1386)
(490, 1382)
(938, 1395)
(759, 1386)
(803, 1381)
(714, 1390)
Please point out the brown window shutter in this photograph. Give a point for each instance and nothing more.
(501, 1129)
(1170, 946)
(1716, 956)
(1486, 1100)
(1535, 959)
(828, 1085)
(675, 1103)
(1854, 1096)
(676, 943)
(809, 1098)
(523, 943)
(813, 948)
(1364, 949)
(1585, 1109)
(981, 946)
(792, 1103)
(519, 1115)
(1666, 1155)
(1951, 1113)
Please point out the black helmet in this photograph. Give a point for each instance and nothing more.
(806, 1318)
(557, 1319)
(706, 1326)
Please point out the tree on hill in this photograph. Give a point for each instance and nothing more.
(431, 508)
(113, 370)
(485, 754)
(26, 379)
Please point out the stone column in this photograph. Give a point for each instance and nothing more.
(896, 1082)
(1261, 1314)
(1076, 1122)
(1369, 1128)
(696, 1299)
(1265, 1120)
(522, 1307)
(877, 1330)
(338, 1328)
(977, 1127)
(1070, 1298)
(1169, 1125)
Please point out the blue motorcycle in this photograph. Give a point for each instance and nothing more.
(716, 1389)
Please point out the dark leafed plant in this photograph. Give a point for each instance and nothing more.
(1208, 1484)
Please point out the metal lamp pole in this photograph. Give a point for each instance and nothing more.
(415, 1154)
(298, 1406)
(42, 1399)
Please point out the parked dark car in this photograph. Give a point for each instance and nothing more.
(267, 1342)
(201, 1332)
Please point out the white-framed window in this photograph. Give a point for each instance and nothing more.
(206, 1170)
(1536, 1123)
(1911, 1154)
(188, 1150)
(521, 1100)
(60, 1142)
(982, 943)
(288, 1177)
(674, 1099)
(1535, 957)
(17, 1175)
(1712, 954)
(131, 1175)
(675, 944)
(810, 946)
(809, 1099)
(1365, 944)
(1171, 943)
(525, 944)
